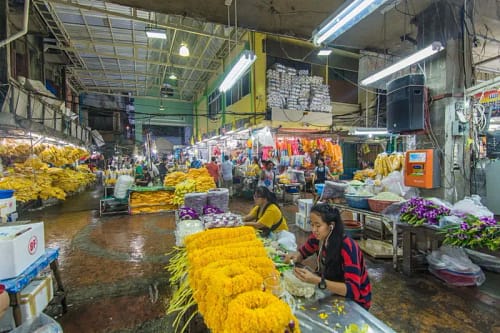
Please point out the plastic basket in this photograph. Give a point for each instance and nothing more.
(379, 205)
(353, 228)
(357, 201)
(5, 194)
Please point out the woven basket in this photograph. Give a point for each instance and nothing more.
(379, 205)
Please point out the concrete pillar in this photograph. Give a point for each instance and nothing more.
(446, 76)
(4, 68)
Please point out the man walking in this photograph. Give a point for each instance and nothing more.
(213, 169)
(227, 175)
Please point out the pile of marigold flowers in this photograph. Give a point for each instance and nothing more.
(221, 271)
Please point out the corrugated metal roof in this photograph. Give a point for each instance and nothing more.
(111, 53)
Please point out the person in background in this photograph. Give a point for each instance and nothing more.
(266, 214)
(253, 171)
(213, 169)
(162, 168)
(267, 176)
(196, 163)
(254, 168)
(340, 264)
(144, 179)
(321, 172)
(226, 170)
(139, 169)
(4, 300)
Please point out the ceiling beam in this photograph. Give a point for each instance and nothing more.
(122, 57)
(133, 16)
(145, 97)
(89, 43)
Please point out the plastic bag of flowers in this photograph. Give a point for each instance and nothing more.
(188, 213)
(452, 265)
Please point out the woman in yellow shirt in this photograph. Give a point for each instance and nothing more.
(266, 215)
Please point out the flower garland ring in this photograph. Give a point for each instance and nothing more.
(259, 312)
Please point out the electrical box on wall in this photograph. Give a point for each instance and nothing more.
(422, 168)
(405, 104)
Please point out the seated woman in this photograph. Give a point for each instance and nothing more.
(340, 263)
(266, 215)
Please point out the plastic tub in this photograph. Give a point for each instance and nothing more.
(5, 194)
(357, 201)
(379, 205)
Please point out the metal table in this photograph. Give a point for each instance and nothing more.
(15, 285)
(334, 320)
(387, 226)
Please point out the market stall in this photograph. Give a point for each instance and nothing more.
(237, 283)
(43, 173)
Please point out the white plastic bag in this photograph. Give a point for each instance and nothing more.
(452, 265)
(394, 182)
(287, 240)
(471, 205)
(123, 184)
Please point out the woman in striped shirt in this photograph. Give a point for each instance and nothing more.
(340, 264)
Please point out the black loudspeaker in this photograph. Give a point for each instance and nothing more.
(405, 104)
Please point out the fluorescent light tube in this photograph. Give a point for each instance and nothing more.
(348, 17)
(246, 60)
(156, 33)
(369, 131)
(408, 61)
(324, 52)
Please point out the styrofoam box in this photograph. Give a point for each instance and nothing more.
(34, 299)
(305, 206)
(303, 222)
(20, 246)
(7, 206)
(36, 296)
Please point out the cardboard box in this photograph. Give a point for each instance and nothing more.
(20, 246)
(305, 206)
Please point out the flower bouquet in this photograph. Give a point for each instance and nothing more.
(474, 232)
(418, 211)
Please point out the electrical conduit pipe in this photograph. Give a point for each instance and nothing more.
(25, 26)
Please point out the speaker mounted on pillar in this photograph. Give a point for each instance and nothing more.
(406, 104)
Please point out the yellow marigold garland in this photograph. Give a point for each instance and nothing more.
(259, 312)
(219, 235)
(222, 265)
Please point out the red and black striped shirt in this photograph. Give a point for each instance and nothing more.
(355, 274)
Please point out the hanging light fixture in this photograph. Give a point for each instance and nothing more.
(246, 59)
(183, 50)
(369, 131)
(172, 76)
(156, 33)
(408, 61)
(339, 23)
(324, 52)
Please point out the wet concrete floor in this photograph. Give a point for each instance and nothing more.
(113, 270)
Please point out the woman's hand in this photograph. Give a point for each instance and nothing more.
(296, 257)
(306, 275)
